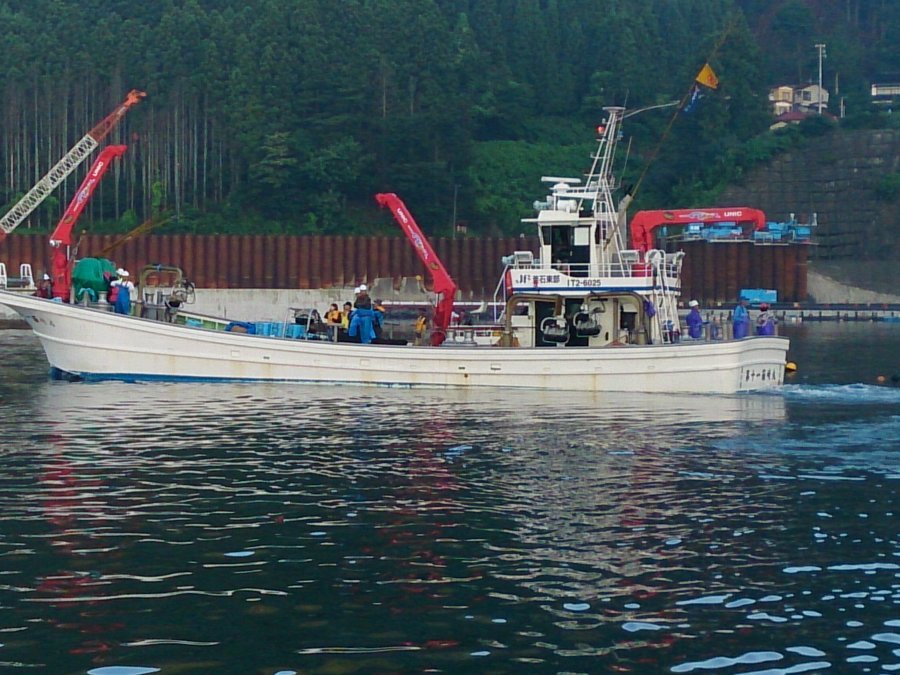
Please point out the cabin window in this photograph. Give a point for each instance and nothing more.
(582, 236)
(560, 240)
(561, 236)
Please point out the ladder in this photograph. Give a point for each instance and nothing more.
(663, 298)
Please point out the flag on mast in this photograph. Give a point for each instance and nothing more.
(693, 98)
(707, 77)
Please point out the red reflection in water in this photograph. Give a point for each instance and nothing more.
(63, 508)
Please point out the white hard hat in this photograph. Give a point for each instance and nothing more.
(46, 277)
(123, 273)
(693, 303)
(363, 287)
(356, 290)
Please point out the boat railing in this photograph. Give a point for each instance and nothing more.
(24, 280)
(617, 269)
(305, 323)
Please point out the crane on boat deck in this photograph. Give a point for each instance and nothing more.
(61, 239)
(644, 223)
(443, 285)
(79, 152)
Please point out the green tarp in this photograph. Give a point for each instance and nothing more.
(88, 279)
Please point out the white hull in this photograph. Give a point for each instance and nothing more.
(99, 345)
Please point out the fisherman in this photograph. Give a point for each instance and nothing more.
(123, 287)
(332, 321)
(765, 322)
(363, 301)
(421, 326)
(362, 322)
(44, 287)
(694, 320)
(741, 319)
(380, 311)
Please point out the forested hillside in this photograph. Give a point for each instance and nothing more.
(288, 115)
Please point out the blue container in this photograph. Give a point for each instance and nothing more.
(758, 295)
(295, 331)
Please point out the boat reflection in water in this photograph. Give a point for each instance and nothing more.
(167, 404)
(433, 504)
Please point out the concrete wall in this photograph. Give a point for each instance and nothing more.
(836, 177)
(825, 290)
(272, 303)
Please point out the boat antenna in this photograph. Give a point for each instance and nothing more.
(627, 155)
(684, 99)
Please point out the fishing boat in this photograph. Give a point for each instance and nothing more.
(587, 314)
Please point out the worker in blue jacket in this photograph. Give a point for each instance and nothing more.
(362, 321)
(741, 319)
(695, 320)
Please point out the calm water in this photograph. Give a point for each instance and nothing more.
(184, 528)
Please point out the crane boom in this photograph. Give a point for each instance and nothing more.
(444, 285)
(18, 213)
(62, 235)
(61, 239)
(644, 222)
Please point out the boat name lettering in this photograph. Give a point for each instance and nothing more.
(535, 279)
(585, 283)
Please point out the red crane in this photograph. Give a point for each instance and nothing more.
(61, 239)
(443, 283)
(644, 222)
(76, 155)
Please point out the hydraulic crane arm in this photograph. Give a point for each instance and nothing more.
(443, 283)
(61, 239)
(62, 235)
(18, 213)
(644, 222)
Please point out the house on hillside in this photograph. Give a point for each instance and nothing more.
(787, 98)
(782, 99)
(807, 98)
(885, 94)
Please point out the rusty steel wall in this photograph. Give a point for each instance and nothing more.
(712, 273)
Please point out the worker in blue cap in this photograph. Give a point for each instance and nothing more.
(741, 319)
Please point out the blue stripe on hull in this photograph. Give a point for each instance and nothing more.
(58, 374)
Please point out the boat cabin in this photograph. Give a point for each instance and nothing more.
(592, 320)
(575, 228)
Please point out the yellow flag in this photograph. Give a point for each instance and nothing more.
(707, 77)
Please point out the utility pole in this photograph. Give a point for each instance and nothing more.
(821, 49)
(453, 215)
